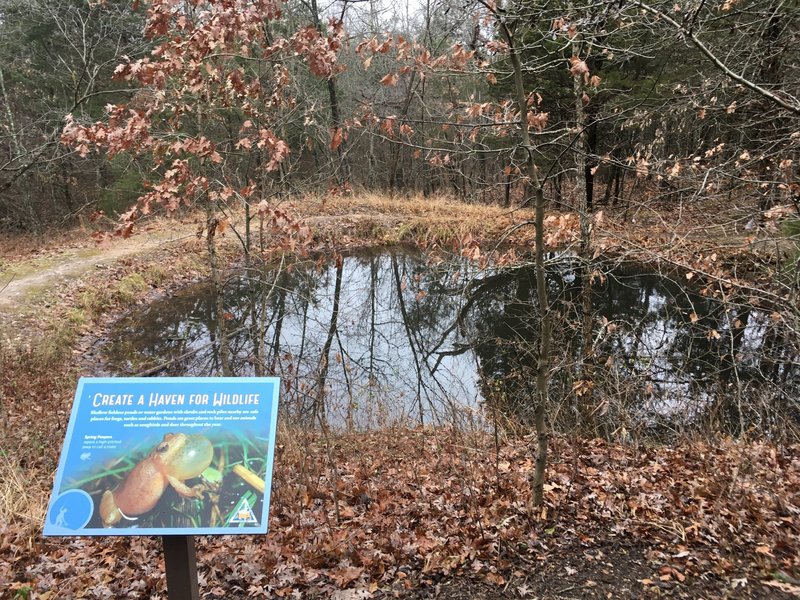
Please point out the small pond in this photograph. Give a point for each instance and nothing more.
(380, 337)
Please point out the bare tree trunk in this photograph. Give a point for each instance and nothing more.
(256, 329)
(580, 145)
(216, 278)
(12, 128)
(342, 169)
(619, 182)
(534, 192)
(583, 179)
(373, 309)
(507, 186)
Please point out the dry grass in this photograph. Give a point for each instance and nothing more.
(370, 217)
(23, 499)
(371, 202)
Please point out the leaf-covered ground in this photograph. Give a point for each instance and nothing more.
(435, 513)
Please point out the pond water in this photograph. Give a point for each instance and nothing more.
(380, 337)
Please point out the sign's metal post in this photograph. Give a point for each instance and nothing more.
(181, 567)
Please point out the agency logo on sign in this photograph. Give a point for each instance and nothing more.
(243, 515)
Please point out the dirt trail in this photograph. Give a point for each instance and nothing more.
(23, 282)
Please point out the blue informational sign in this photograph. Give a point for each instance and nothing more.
(166, 456)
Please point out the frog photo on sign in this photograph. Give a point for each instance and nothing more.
(177, 458)
(185, 480)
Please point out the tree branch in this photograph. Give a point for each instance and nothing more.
(793, 107)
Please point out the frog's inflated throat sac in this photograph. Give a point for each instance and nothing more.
(177, 458)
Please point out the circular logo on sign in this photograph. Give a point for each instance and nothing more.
(71, 510)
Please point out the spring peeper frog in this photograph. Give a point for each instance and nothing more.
(177, 457)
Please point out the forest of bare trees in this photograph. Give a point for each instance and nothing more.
(625, 100)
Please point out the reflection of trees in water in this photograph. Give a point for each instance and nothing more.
(382, 336)
(660, 354)
(351, 341)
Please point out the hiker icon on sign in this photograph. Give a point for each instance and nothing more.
(244, 514)
(61, 519)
